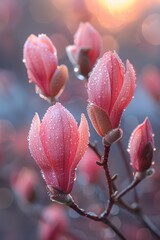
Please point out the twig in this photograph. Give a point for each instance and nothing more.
(95, 217)
(132, 185)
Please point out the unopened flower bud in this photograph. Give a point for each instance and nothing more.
(86, 49)
(141, 147)
(110, 88)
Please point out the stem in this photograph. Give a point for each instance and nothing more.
(125, 159)
(95, 217)
(128, 188)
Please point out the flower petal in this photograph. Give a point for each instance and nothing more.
(82, 147)
(99, 86)
(125, 95)
(37, 152)
(116, 71)
(59, 136)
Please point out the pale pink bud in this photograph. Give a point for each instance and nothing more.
(86, 49)
(57, 145)
(24, 183)
(111, 88)
(151, 81)
(141, 145)
(88, 167)
(40, 58)
(53, 223)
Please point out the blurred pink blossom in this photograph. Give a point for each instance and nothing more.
(86, 49)
(88, 167)
(53, 223)
(24, 182)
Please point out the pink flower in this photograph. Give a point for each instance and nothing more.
(88, 167)
(40, 58)
(24, 183)
(110, 90)
(57, 145)
(53, 223)
(86, 49)
(151, 81)
(141, 146)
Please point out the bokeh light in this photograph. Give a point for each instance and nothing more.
(150, 29)
(114, 14)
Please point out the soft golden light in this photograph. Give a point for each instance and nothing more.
(115, 14)
(119, 5)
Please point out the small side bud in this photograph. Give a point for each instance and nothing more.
(112, 136)
(99, 119)
(58, 196)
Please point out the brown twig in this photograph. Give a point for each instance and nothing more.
(95, 217)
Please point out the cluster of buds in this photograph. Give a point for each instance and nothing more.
(56, 143)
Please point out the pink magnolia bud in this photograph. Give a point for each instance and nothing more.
(151, 81)
(53, 223)
(110, 90)
(88, 167)
(86, 49)
(57, 145)
(40, 58)
(141, 145)
(24, 183)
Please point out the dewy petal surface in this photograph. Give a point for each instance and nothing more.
(41, 60)
(59, 136)
(116, 72)
(141, 136)
(37, 152)
(125, 95)
(83, 131)
(99, 86)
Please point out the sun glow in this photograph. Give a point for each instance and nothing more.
(115, 14)
(119, 5)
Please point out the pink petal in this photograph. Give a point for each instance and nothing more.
(59, 136)
(125, 95)
(135, 145)
(82, 147)
(33, 62)
(116, 71)
(40, 60)
(37, 152)
(99, 86)
(83, 140)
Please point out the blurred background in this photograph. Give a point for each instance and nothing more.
(130, 27)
